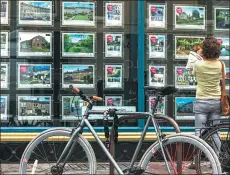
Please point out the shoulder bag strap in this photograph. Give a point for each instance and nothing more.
(223, 79)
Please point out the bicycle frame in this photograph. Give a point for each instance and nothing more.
(71, 143)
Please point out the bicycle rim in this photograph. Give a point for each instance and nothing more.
(224, 155)
(42, 153)
(153, 162)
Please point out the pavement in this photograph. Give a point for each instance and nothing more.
(102, 168)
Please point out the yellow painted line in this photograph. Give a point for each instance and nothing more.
(123, 136)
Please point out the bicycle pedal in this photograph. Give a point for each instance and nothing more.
(134, 171)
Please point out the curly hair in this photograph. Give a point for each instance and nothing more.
(211, 48)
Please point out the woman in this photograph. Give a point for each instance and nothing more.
(208, 74)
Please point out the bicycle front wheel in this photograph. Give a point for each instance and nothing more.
(42, 153)
(180, 151)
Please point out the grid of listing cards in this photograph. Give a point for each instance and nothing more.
(173, 29)
(47, 45)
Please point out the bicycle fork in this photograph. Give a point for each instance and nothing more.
(69, 147)
(159, 138)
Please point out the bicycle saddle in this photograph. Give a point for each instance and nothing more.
(166, 90)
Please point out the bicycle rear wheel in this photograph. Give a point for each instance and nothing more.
(224, 150)
(153, 162)
(42, 153)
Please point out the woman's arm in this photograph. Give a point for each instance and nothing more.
(194, 70)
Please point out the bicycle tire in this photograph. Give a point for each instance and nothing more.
(58, 132)
(214, 129)
(182, 138)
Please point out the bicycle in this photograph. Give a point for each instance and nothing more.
(210, 132)
(73, 138)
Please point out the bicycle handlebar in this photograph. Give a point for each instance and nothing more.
(96, 98)
(83, 96)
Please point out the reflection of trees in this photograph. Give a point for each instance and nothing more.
(90, 68)
(195, 14)
(66, 100)
(88, 79)
(119, 73)
(88, 42)
(67, 43)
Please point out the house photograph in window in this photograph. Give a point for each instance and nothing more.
(4, 44)
(184, 108)
(35, 12)
(189, 17)
(157, 16)
(222, 18)
(113, 45)
(156, 76)
(4, 12)
(185, 44)
(78, 44)
(156, 46)
(34, 107)
(79, 75)
(78, 13)
(34, 76)
(184, 78)
(3, 107)
(114, 14)
(34, 44)
(4, 75)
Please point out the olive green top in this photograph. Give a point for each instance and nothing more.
(208, 75)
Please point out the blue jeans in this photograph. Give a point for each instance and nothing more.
(208, 109)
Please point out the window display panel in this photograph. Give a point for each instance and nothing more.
(34, 107)
(157, 15)
(35, 44)
(78, 13)
(113, 45)
(78, 44)
(35, 13)
(4, 75)
(113, 14)
(157, 45)
(34, 76)
(4, 12)
(55, 44)
(184, 78)
(190, 17)
(79, 75)
(114, 76)
(221, 18)
(182, 22)
(4, 107)
(184, 108)
(161, 106)
(4, 44)
(156, 76)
